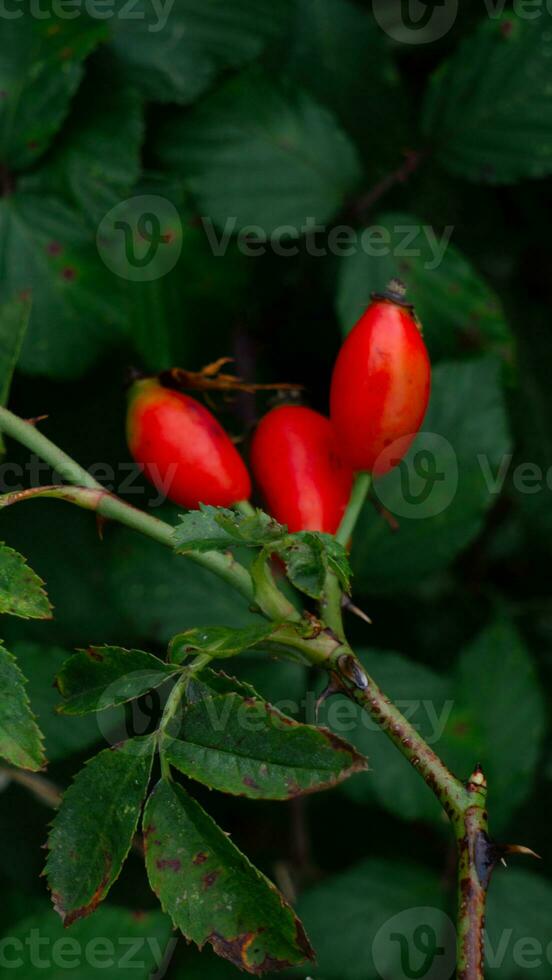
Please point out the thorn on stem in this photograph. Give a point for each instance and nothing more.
(477, 780)
(350, 607)
(101, 522)
(328, 692)
(519, 849)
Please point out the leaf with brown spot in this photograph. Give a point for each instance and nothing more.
(247, 747)
(93, 830)
(222, 900)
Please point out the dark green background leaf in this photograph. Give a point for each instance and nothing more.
(488, 111)
(439, 510)
(359, 903)
(133, 943)
(257, 154)
(459, 313)
(40, 69)
(46, 253)
(173, 55)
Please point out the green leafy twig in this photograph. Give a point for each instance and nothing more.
(314, 642)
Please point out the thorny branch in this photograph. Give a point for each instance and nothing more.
(325, 647)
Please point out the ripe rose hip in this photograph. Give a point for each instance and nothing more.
(296, 462)
(380, 386)
(183, 449)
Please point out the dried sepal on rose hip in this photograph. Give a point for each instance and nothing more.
(381, 384)
(297, 466)
(183, 449)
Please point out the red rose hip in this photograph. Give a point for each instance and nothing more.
(183, 449)
(380, 386)
(296, 463)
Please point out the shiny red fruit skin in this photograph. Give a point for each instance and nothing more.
(298, 468)
(380, 388)
(183, 449)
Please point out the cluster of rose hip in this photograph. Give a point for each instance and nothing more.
(303, 463)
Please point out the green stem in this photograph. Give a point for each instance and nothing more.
(331, 605)
(267, 594)
(361, 486)
(113, 508)
(173, 704)
(28, 435)
(245, 508)
(477, 857)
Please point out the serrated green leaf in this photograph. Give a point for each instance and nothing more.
(488, 110)
(459, 312)
(248, 748)
(217, 528)
(92, 832)
(439, 495)
(126, 941)
(256, 153)
(229, 904)
(200, 531)
(220, 641)
(96, 161)
(176, 60)
(21, 742)
(64, 737)
(309, 556)
(21, 590)
(364, 92)
(47, 253)
(210, 683)
(253, 530)
(40, 70)
(102, 677)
